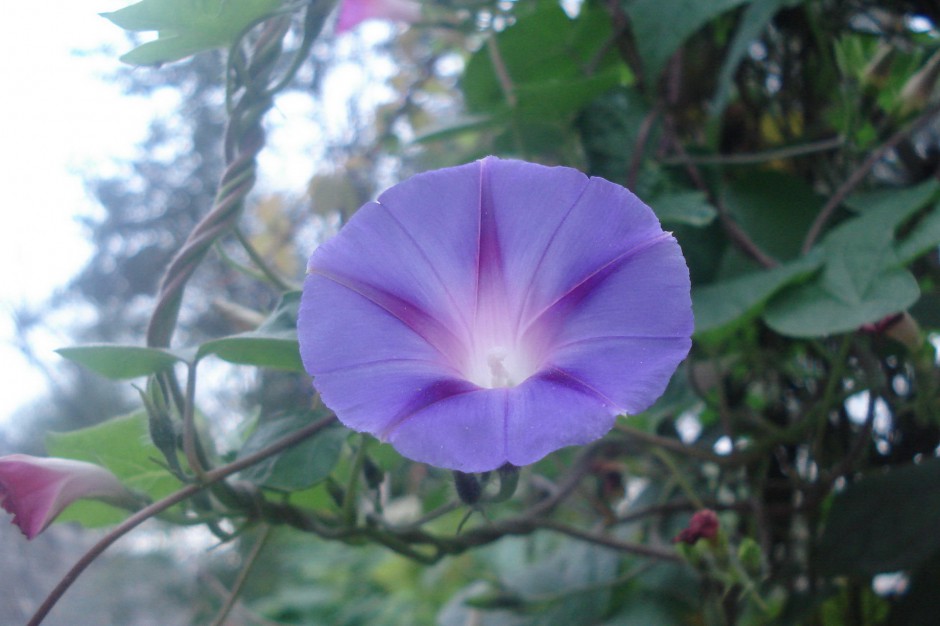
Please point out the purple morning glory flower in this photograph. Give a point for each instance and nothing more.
(494, 312)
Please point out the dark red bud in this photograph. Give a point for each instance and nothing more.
(703, 525)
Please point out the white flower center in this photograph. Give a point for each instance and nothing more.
(500, 366)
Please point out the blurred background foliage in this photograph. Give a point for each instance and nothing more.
(793, 149)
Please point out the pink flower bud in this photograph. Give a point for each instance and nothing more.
(901, 327)
(36, 490)
(352, 12)
(703, 525)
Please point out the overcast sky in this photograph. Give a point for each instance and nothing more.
(61, 118)
(58, 117)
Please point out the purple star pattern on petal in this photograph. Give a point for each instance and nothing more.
(494, 312)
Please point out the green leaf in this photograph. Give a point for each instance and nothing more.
(884, 523)
(121, 362)
(459, 126)
(123, 446)
(187, 26)
(902, 201)
(774, 209)
(719, 304)
(924, 237)
(277, 351)
(299, 467)
(889, 208)
(559, 97)
(753, 23)
(569, 585)
(815, 309)
(661, 26)
(648, 609)
(273, 344)
(610, 129)
(863, 279)
(555, 65)
(684, 207)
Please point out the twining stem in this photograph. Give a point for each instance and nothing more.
(352, 484)
(833, 384)
(502, 72)
(189, 425)
(253, 82)
(751, 158)
(677, 446)
(255, 256)
(250, 560)
(862, 171)
(677, 475)
(135, 520)
(734, 231)
(653, 552)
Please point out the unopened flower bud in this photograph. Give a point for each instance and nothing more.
(36, 490)
(703, 525)
(468, 488)
(901, 327)
(917, 90)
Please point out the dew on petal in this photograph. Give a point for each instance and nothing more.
(494, 312)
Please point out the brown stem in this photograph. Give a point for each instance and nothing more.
(751, 158)
(861, 172)
(737, 235)
(639, 146)
(244, 139)
(242, 577)
(132, 522)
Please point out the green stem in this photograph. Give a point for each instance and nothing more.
(242, 576)
(352, 484)
(260, 263)
(837, 370)
(189, 426)
(664, 457)
(135, 520)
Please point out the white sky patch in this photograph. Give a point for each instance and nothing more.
(856, 406)
(688, 426)
(890, 584)
(61, 120)
(295, 142)
(59, 116)
(723, 446)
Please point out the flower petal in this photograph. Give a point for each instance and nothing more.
(375, 397)
(606, 222)
(339, 328)
(644, 292)
(527, 204)
(632, 372)
(627, 326)
(465, 432)
(495, 312)
(551, 411)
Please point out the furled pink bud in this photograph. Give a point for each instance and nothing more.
(901, 327)
(36, 490)
(703, 525)
(352, 12)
